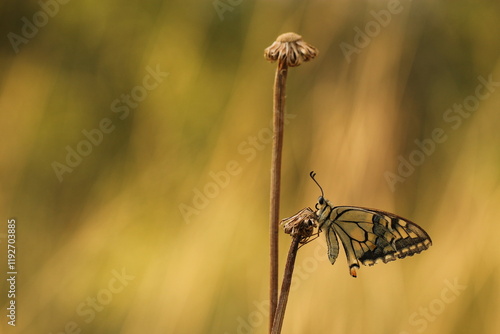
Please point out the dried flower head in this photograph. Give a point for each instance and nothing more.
(301, 224)
(289, 48)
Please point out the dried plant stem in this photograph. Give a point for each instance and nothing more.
(278, 125)
(290, 51)
(285, 286)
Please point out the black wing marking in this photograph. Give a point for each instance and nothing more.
(370, 235)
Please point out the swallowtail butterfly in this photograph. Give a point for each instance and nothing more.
(368, 235)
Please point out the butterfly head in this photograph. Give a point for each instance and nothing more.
(323, 207)
(322, 203)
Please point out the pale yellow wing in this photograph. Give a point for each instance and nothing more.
(370, 235)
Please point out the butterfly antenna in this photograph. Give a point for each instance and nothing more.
(312, 175)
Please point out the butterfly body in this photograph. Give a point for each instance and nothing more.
(368, 235)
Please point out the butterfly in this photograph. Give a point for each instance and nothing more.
(368, 235)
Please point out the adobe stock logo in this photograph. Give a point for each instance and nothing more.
(92, 305)
(421, 319)
(94, 137)
(248, 150)
(30, 28)
(363, 38)
(454, 118)
(221, 7)
(260, 313)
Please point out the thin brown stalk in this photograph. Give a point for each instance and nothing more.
(285, 286)
(278, 125)
(301, 227)
(289, 50)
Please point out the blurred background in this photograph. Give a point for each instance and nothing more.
(135, 159)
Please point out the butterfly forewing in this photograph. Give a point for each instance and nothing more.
(370, 235)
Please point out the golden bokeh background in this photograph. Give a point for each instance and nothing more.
(159, 222)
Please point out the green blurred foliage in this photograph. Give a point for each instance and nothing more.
(205, 129)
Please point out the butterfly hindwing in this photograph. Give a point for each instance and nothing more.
(370, 235)
(332, 244)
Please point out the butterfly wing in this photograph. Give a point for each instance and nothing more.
(332, 244)
(370, 235)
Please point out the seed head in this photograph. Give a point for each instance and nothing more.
(289, 48)
(301, 224)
